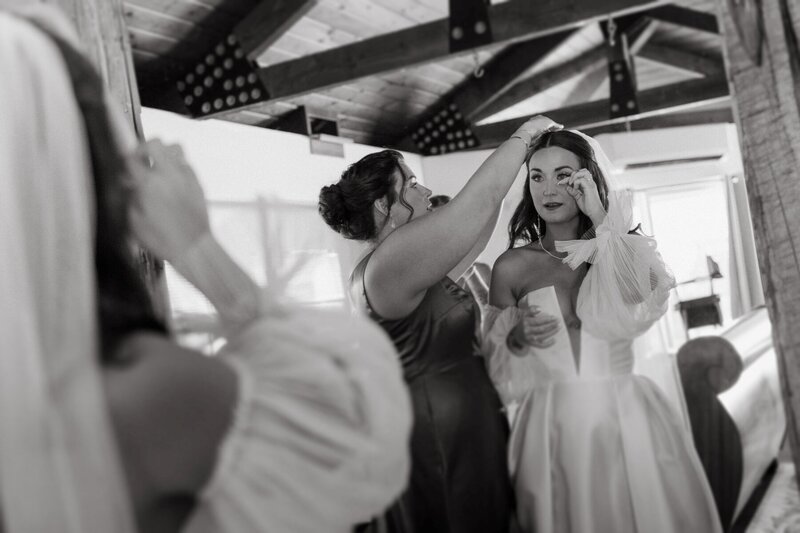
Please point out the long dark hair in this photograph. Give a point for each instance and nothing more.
(522, 227)
(124, 303)
(346, 206)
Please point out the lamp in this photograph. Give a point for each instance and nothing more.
(704, 311)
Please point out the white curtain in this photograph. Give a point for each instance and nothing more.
(303, 254)
(740, 296)
(745, 278)
(280, 244)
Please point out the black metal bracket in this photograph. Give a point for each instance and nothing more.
(469, 24)
(224, 79)
(621, 74)
(444, 131)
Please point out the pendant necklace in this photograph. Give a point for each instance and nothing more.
(541, 245)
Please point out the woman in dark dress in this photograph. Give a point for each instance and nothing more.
(459, 476)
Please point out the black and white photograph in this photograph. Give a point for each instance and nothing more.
(399, 266)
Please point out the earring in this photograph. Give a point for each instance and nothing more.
(537, 227)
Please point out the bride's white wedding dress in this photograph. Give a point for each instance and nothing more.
(596, 449)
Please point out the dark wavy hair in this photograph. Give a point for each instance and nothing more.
(439, 200)
(124, 303)
(522, 227)
(346, 206)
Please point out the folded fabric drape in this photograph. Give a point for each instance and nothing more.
(58, 458)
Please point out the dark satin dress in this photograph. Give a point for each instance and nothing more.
(459, 475)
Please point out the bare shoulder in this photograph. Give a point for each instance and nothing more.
(517, 260)
(170, 408)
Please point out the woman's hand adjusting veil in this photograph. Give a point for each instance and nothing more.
(533, 128)
(581, 186)
(168, 214)
(169, 217)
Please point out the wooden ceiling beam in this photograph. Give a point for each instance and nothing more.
(684, 58)
(640, 34)
(589, 61)
(592, 81)
(510, 21)
(583, 91)
(684, 16)
(254, 32)
(267, 22)
(595, 114)
(503, 72)
(669, 120)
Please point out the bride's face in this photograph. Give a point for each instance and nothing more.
(546, 168)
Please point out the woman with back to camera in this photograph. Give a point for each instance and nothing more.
(107, 425)
(459, 476)
(593, 449)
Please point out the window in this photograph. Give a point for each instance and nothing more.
(284, 246)
(690, 222)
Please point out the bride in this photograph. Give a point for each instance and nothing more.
(593, 448)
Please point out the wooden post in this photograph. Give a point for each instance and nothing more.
(763, 67)
(104, 36)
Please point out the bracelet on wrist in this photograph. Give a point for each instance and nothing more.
(523, 139)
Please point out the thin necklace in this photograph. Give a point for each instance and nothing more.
(541, 244)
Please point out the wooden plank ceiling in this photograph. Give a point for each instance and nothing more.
(382, 66)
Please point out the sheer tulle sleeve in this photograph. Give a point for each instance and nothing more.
(320, 439)
(627, 287)
(513, 375)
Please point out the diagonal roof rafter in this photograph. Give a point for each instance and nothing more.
(658, 100)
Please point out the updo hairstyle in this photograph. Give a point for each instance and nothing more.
(346, 206)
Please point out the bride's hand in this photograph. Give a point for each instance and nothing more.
(536, 329)
(168, 213)
(582, 187)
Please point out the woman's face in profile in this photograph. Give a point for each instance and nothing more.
(546, 168)
(412, 197)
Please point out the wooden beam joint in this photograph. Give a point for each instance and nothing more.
(443, 131)
(223, 80)
(621, 73)
(226, 77)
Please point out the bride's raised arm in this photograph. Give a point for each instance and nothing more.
(627, 287)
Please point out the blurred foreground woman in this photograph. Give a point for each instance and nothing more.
(106, 424)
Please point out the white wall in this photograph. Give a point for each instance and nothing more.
(669, 144)
(240, 162)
